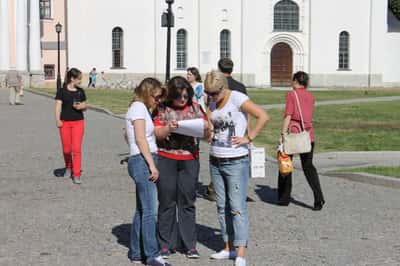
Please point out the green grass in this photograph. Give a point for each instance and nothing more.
(385, 171)
(117, 101)
(353, 127)
(263, 97)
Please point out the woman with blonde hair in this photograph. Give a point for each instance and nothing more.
(229, 160)
(142, 168)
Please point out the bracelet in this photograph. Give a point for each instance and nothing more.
(250, 139)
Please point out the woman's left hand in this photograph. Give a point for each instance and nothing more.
(240, 140)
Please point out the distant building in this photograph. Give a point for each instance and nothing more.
(341, 43)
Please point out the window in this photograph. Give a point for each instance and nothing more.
(344, 53)
(49, 72)
(225, 44)
(45, 9)
(117, 47)
(286, 16)
(181, 49)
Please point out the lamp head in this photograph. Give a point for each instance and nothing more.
(58, 27)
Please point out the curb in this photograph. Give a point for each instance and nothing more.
(377, 180)
(90, 107)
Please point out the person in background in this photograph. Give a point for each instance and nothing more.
(13, 81)
(179, 170)
(229, 161)
(70, 105)
(92, 78)
(143, 170)
(194, 78)
(292, 122)
(225, 65)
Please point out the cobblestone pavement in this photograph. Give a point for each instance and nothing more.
(46, 220)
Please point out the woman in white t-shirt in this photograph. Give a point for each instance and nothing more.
(142, 169)
(194, 78)
(229, 160)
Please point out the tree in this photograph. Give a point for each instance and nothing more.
(394, 5)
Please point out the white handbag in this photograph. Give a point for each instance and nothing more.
(296, 143)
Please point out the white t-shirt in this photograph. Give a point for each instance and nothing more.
(228, 122)
(139, 111)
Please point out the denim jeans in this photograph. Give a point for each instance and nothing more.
(143, 230)
(230, 181)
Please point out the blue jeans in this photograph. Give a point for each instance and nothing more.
(143, 230)
(230, 181)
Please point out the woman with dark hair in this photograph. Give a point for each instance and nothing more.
(292, 122)
(142, 168)
(179, 169)
(194, 78)
(70, 105)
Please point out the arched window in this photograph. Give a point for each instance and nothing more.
(344, 50)
(181, 49)
(286, 16)
(225, 44)
(117, 47)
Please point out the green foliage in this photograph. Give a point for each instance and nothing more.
(394, 5)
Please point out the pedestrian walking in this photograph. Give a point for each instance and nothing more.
(294, 113)
(92, 78)
(143, 170)
(194, 78)
(229, 161)
(179, 170)
(70, 105)
(13, 82)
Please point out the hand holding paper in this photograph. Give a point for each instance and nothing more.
(192, 127)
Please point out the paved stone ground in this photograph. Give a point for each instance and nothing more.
(46, 220)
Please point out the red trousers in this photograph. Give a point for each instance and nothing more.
(71, 138)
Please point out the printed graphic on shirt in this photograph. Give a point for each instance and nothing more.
(224, 130)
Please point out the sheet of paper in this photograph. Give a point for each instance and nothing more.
(192, 127)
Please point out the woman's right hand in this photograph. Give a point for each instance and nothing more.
(154, 174)
(59, 123)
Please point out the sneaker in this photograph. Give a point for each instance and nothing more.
(136, 260)
(159, 261)
(240, 261)
(224, 255)
(165, 253)
(68, 173)
(77, 180)
(193, 254)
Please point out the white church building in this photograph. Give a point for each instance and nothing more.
(341, 43)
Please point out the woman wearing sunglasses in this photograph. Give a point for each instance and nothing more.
(229, 160)
(179, 170)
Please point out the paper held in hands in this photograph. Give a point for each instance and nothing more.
(192, 127)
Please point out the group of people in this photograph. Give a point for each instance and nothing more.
(164, 162)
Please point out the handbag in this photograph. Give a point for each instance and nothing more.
(296, 143)
(285, 163)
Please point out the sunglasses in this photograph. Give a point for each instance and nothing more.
(180, 97)
(216, 93)
(157, 98)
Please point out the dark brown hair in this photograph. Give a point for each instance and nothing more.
(175, 88)
(195, 72)
(302, 78)
(225, 65)
(73, 73)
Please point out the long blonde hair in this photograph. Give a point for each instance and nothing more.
(145, 90)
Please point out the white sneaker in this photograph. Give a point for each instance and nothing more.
(240, 261)
(224, 255)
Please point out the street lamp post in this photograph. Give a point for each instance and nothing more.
(167, 21)
(58, 30)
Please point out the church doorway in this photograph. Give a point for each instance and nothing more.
(281, 65)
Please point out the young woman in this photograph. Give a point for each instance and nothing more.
(229, 160)
(194, 78)
(142, 168)
(70, 105)
(292, 122)
(179, 170)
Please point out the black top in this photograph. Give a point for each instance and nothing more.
(236, 85)
(68, 112)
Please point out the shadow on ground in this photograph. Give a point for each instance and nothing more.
(270, 195)
(207, 236)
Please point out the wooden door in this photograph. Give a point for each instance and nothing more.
(281, 65)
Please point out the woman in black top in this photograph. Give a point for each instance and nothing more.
(70, 105)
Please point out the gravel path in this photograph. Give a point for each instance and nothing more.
(46, 220)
